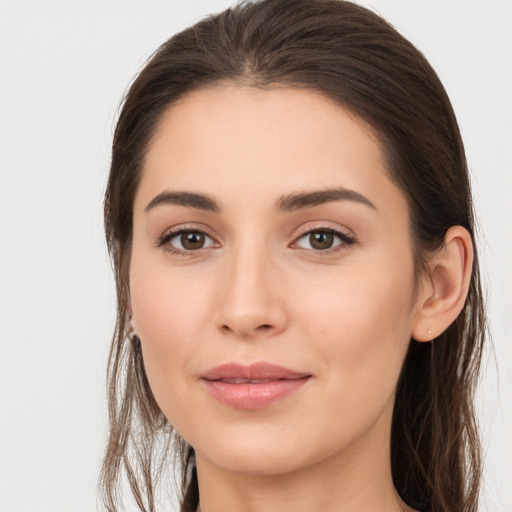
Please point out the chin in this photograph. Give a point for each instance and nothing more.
(256, 449)
(257, 462)
(263, 450)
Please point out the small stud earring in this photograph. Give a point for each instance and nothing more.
(430, 332)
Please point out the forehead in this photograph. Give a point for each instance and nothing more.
(247, 144)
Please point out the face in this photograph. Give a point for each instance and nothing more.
(272, 279)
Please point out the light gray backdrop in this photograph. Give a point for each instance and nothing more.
(63, 68)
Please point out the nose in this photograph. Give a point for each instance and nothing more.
(251, 296)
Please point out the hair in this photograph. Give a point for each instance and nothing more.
(348, 54)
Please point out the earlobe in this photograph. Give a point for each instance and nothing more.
(446, 288)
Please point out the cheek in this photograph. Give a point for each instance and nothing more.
(362, 322)
(358, 327)
(166, 302)
(169, 310)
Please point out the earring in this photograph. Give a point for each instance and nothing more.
(135, 341)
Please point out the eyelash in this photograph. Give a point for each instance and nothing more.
(346, 240)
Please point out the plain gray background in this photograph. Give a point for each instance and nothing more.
(63, 69)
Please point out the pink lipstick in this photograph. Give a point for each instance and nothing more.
(252, 387)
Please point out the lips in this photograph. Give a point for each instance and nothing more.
(252, 387)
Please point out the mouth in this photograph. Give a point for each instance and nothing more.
(252, 387)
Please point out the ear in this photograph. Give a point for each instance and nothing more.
(133, 326)
(444, 291)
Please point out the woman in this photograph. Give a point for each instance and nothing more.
(299, 306)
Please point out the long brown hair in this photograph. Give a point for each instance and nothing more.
(351, 55)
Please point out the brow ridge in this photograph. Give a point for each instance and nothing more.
(190, 199)
(307, 199)
(286, 203)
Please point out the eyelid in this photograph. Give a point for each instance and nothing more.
(188, 227)
(324, 226)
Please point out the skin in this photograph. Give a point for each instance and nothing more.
(259, 291)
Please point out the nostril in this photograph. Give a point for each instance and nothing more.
(263, 327)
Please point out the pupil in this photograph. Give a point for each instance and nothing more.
(192, 240)
(321, 240)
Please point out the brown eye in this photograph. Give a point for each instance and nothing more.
(186, 240)
(191, 240)
(321, 240)
(324, 239)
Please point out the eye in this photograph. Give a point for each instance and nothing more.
(323, 239)
(187, 240)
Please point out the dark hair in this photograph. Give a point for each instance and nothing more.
(351, 55)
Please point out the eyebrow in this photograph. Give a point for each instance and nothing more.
(190, 199)
(287, 203)
(307, 199)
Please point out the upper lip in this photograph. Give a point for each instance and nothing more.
(255, 371)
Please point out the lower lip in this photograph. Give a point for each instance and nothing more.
(253, 396)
